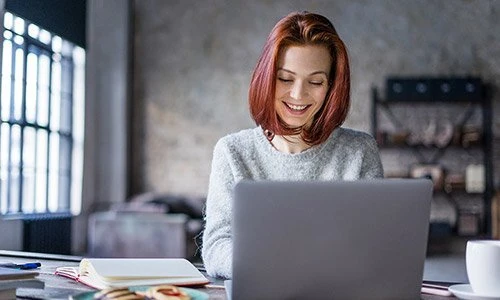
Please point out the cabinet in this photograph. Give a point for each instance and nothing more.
(440, 128)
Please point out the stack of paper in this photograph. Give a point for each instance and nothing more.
(11, 279)
(101, 273)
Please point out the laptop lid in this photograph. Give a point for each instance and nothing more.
(330, 240)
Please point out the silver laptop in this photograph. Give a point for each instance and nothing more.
(330, 240)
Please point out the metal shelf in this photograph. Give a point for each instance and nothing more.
(379, 104)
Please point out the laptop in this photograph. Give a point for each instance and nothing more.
(330, 240)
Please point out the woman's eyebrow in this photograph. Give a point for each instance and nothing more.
(313, 73)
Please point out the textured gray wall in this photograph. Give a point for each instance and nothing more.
(193, 61)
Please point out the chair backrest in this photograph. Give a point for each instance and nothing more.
(148, 235)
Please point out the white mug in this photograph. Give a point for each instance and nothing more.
(482, 259)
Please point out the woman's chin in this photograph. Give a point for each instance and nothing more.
(301, 125)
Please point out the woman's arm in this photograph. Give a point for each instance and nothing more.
(217, 239)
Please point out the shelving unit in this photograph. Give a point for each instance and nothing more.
(469, 94)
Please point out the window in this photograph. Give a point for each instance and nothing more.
(42, 118)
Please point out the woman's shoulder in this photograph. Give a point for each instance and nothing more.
(353, 138)
(353, 133)
(238, 140)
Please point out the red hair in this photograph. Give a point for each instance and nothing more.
(299, 29)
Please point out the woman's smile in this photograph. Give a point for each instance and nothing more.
(296, 109)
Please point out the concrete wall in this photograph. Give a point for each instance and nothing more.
(193, 61)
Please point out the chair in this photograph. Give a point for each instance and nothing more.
(150, 225)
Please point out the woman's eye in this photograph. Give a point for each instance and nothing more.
(316, 82)
(284, 80)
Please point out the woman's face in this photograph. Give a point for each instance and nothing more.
(301, 83)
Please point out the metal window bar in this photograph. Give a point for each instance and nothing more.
(23, 118)
(63, 133)
(49, 104)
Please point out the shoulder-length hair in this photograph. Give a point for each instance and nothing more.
(299, 29)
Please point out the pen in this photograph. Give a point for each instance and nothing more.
(26, 266)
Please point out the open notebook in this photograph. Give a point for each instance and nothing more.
(101, 273)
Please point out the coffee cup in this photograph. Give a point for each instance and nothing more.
(482, 259)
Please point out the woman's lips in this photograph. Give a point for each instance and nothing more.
(296, 109)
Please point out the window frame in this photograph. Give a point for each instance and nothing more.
(69, 135)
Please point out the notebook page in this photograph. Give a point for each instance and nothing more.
(136, 268)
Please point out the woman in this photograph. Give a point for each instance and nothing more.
(299, 97)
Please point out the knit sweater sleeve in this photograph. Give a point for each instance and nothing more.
(372, 165)
(217, 240)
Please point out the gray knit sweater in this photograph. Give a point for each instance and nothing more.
(345, 155)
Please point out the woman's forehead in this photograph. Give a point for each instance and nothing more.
(305, 60)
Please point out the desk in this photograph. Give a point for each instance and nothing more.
(58, 287)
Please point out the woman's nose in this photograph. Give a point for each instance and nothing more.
(298, 91)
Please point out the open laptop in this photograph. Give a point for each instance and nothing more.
(330, 240)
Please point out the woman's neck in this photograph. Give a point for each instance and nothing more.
(289, 144)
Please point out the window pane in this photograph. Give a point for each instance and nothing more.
(7, 35)
(15, 159)
(29, 145)
(18, 40)
(67, 49)
(76, 174)
(56, 44)
(33, 30)
(44, 37)
(4, 146)
(14, 190)
(15, 145)
(64, 185)
(43, 90)
(67, 78)
(18, 25)
(8, 20)
(66, 114)
(31, 90)
(3, 191)
(18, 85)
(28, 190)
(55, 96)
(53, 171)
(6, 79)
(65, 154)
(77, 127)
(44, 71)
(41, 170)
(7, 58)
(4, 163)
